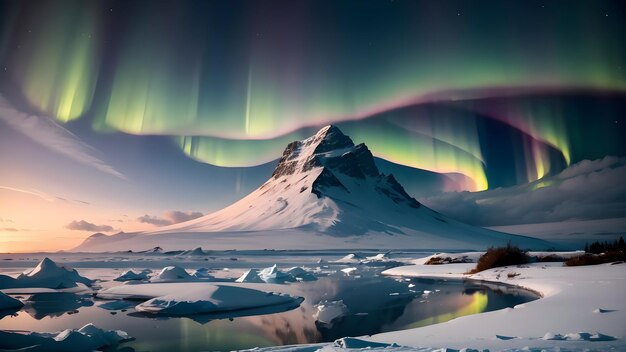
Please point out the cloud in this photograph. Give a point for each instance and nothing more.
(32, 192)
(169, 217)
(45, 131)
(154, 220)
(10, 229)
(83, 225)
(590, 189)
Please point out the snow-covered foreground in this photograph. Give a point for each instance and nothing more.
(582, 308)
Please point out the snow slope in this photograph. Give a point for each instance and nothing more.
(323, 185)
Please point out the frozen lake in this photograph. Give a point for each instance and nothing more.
(373, 303)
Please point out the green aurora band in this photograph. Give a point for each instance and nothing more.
(234, 92)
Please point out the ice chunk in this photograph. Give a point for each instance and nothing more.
(130, 275)
(87, 338)
(301, 274)
(47, 274)
(379, 257)
(553, 336)
(251, 275)
(350, 259)
(173, 273)
(349, 271)
(272, 274)
(353, 343)
(329, 311)
(202, 273)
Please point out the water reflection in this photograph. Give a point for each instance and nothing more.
(8, 312)
(375, 304)
(42, 305)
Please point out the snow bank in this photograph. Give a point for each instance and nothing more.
(272, 274)
(329, 311)
(380, 259)
(87, 338)
(472, 257)
(584, 305)
(452, 258)
(130, 275)
(209, 299)
(7, 302)
(301, 274)
(47, 274)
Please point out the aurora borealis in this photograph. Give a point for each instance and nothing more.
(491, 93)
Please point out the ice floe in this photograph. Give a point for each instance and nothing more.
(87, 338)
(274, 275)
(172, 273)
(130, 275)
(209, 299)
(47, 274)
(329, 311)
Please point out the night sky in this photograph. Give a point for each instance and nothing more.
(143, 107)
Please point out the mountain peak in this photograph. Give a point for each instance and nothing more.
(329, 138)
(340, 164)
(302, 156)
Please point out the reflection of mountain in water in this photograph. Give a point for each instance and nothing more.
(41, 305)
(378, 304)
(7, 312)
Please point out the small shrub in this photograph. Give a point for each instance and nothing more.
(437, 261)
(592, 259)
(447, 260)
(549, 258)
(501, 256)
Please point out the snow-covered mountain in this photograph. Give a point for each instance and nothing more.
(325, 193)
